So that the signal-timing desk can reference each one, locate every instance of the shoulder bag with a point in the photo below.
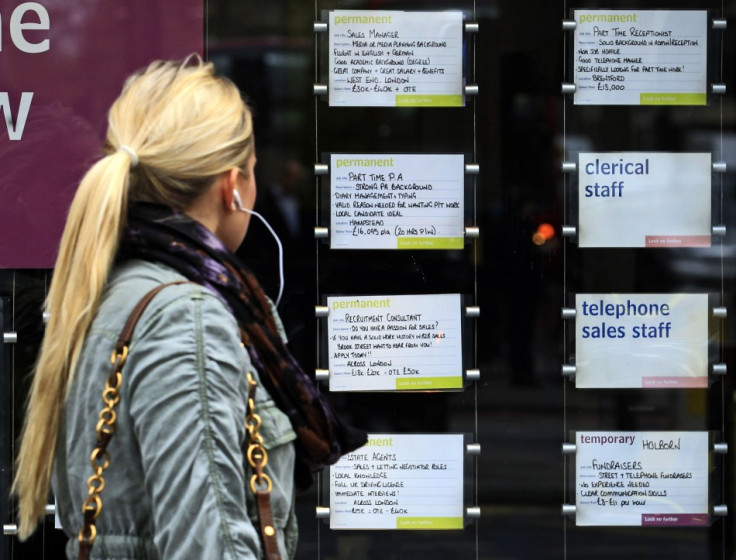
(260, 483)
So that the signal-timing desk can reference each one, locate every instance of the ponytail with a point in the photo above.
(88, 247)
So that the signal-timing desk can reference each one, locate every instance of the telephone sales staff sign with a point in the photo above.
(61, 66)
(649, 341)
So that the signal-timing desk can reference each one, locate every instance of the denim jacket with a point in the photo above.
(178, 484)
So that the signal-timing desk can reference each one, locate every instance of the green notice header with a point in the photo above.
(340, 19)
(608, 18)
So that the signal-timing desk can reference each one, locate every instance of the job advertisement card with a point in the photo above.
(395, 59)
(644, 199)
(395, 343)
(400, 481)
(397, 201)
(642, 478)
(640, 57)
(651, 341)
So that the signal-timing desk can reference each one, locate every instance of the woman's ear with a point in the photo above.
(228, 183)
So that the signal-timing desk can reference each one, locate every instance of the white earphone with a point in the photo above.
(237, 201)
(238, 205)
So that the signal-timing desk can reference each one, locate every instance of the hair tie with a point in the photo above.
(131, 153)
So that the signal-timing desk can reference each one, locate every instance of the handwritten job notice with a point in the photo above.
(642, 478)
(395, 343)
(400, 481)
(395, 59)
(640, 57)
(397, 201)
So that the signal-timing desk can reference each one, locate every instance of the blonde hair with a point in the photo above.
(186, 125)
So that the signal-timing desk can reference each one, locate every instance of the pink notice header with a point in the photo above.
(674, 519)
(61, 66)
(677, 241)
(676, 382)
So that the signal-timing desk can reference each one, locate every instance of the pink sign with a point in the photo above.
(677, 241)
(674, 519)
(61, 66)
(679, 382)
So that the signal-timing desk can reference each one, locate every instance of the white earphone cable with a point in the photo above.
(278, 242)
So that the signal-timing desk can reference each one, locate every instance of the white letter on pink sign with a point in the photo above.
(15, 132)
(17, 27)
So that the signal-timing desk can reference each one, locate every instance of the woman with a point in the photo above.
(163, 206)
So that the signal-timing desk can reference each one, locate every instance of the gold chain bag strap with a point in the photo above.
(260, 482)
(100, 457)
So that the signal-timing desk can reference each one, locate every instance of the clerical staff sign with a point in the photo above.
(644, 199)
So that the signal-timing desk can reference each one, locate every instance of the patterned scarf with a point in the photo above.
(157, 233)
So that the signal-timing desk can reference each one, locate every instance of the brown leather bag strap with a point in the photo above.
(100, 457)
(265, 520)
(257, 458)
(127, 333)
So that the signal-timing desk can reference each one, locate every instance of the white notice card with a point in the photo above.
(640, 57)
(395, 343)
(642, 478)
(400, 481)
(396, 59)
(650, 341)
(397, 201)
(644, 199)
